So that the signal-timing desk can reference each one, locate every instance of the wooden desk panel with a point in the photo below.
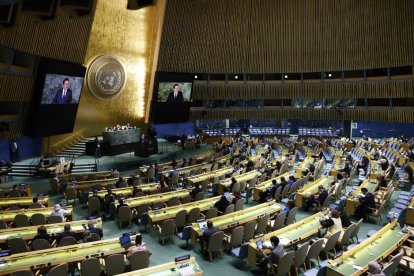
(223, 184)
(8, 216)
(25, 201)
(210, 175)
(151, 199)
(268, 183)
(312, 189)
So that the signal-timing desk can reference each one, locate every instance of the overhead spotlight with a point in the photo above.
(236, 77)
(195, 76)
(286, 76)
(329, 75)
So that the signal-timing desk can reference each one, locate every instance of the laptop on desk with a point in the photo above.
(203, 225)
(125, 241)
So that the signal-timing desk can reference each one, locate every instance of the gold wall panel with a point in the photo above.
(371, 114)
(268, 36)
(130, 36)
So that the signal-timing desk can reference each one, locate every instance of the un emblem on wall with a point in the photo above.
(106, 77)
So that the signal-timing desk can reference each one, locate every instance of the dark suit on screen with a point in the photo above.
(178, 99)
(60, 99)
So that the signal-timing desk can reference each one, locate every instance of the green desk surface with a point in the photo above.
(22, 201)
(186, 169)
(266, 184)
(9, 215)
(59, 255)
(128, 190)
(306, 163)
(163, 197)
(170, 212)
(28, 233)
(209, 175)
(242, 217)
(312, 188)
(370, 184)
(190, 265)
(378, 246)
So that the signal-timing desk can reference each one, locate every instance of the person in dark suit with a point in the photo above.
(42, 234)
(323, 194)
(222, 204)
(14, 151)
(93, 229)
(366, 202)
(66, 233)
(175, 96)
(64, 94)
(208, 233)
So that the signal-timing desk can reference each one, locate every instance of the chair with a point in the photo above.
(241, 252)
(185, 235)
(314, 251)
(22, 273)
(239, 205)
(193, 215)
(114, 264)
(167, 229)
(229, 209)
(279, 222)
(249, 229)
(150, 174)
(186, 199)
(94, 206)
(95, 237)
(331, 243)
(236, 238)
(376, 213)
(180, 218)
(262, 224)
(248, 194)
(14, 193)
(92, 176)
(215, 243)
(38, 219)
(54, 185)
(300, 257)
(68, 241)
(285, 263)
(124, 215)
(139, 260)
(55, 219)
(21, 220)
(344, 241)
(58, 270)
(199, 196)
(390, 267)
(174, 201)
(40, 244)
(71, 194)
(36, 205)
(291, 217)
(3, 224)
(236, 188)
(91, 267)
(285, 192)
(17, 245)
(211, 213)
(277, 193)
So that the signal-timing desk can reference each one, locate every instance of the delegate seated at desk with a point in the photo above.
(58, 211)
(222, 204)
(322, 195)
(275, 254)
(366, 202)
(208, 233)
(332, 224)
(138, 247)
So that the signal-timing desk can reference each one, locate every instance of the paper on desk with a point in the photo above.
(357, 267)
(55, 230)
(284, 241)
(267, 244)
(186, 271)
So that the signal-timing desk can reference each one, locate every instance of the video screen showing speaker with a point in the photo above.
(171, 97)
(56, 96)
(61, 89)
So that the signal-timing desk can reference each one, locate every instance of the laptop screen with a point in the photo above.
(259, 244)
(124, 240)
(228, 196)
(203, 225)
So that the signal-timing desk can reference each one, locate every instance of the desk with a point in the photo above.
(338, 164)
(8, 216)
(376, 247)
(28, 233)
(409, 217)
(167, 269)
(192, 180)
(268, 183)
(151, 199)
(35, 260)
(25, 188)
(288, 235)
(181, 171)
(223, 184)
(304, 165)
(23, 202)
(232, 220)
(127, 191)
(376, 170)
(120, 137)
(352, 201)
(69, 176)
(170, 212)
(204, 155)
(312, 189)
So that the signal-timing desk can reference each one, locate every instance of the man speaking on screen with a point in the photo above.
(175, 96)
(64, 94)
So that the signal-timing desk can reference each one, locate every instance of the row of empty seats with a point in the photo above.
(318, 132)
(254, 131)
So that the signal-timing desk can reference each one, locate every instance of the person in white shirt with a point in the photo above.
(58, 211)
